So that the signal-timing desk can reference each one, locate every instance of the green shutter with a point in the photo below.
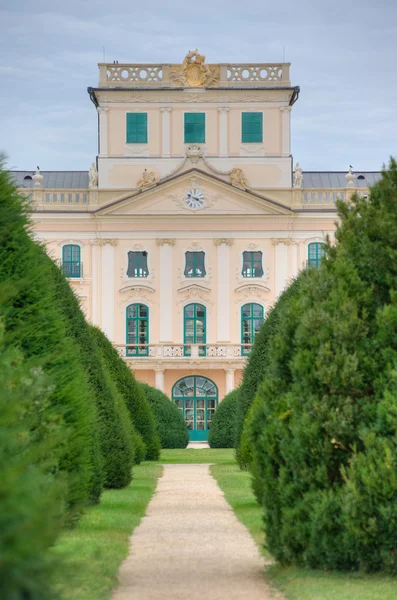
(252, 127)
(194, 128)
(136, 128)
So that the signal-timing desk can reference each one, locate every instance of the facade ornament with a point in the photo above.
(194, 72)
(148, 179)
(194, 153)
(104, 242)
(350, 177)
(298, 176)
(93, 176)
(226, 241)
(37, 178)
(165, 241)
(238, 179)
(286, 241)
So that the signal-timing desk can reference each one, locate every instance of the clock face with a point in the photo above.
(194, 198)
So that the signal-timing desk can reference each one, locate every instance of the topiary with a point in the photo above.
(325, 441)
(136, 401)
(221, 434)
(171, 426)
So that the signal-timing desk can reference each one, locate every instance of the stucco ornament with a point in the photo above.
(298, 176)
(93, 176)
(237, 178)
(148, 178)
(194, 71)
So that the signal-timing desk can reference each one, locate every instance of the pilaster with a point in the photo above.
(108, 286)
(94, 282)
(223, 130)
(166, 131)
(285, 130)
(103, 130)
(223, 288)
(166, 307)
(229, 380)
(159, 379)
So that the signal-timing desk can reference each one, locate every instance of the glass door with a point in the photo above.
(197, 398)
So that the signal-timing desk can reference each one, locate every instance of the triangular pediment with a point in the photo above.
(208, 196)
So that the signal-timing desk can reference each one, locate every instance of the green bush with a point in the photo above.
(134, 396)
(256, 368)
(34, 323)
(114, 444)
(324, 427)
(223, 424)
(32, 491)
(171, 426)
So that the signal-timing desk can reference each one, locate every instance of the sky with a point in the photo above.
(343, 56)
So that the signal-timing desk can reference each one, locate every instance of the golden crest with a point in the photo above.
(195, 74)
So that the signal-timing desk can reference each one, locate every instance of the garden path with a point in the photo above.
(191, 545)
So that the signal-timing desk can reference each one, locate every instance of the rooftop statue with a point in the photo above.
(194, 71)
(148, 178)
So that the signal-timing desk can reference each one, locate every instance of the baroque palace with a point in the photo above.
(190, 222)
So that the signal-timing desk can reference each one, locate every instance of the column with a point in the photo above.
(103, 130)
(281, 264)
(166, 307)
(159, 379)
(166, 131)
(285, 130)
(94, 282)
(229, 380)
(223, 130)
(223, 289)
(108, 286)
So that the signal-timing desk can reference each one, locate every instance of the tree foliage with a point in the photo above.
(171, 426)
(223, 424)
(325, 423)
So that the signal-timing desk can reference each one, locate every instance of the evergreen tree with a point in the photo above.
(223, 424)
(170, 424)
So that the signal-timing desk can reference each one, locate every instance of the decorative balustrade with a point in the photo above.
(115, 75)
(66, 197)
(184, 351)
(322, 196)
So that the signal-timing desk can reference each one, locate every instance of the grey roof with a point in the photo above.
(53, 179)
(336, 179)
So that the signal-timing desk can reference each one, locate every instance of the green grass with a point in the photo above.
(193, 455)
(296, 583)
(90, 555)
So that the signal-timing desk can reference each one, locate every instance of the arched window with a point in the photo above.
(197, 398)
(194, 327)
(137, 329)
(71, 264)
(251, 321)
(315, 253)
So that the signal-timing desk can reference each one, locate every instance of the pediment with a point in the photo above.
(216, 197)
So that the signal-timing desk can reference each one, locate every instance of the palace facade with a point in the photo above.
(191, 220)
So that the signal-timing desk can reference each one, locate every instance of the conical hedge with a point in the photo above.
(170, 424)
(136, 401)
(222, 430)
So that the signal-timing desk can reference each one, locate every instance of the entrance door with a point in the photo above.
(197, 398)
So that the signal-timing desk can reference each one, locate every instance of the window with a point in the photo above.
(316, 251)
(137, 329)
(194, 128)
(194, 327)
(71, 264)
(251, 321)
(194, 264)
(252, 264)
(136, 128)
(251, 127)
(137, 264)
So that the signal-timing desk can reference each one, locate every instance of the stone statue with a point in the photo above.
(298, 176)
(237, 177)
(194, 71)
(93, 176)
(148, 178)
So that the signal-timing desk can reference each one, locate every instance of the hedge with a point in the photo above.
(134, 396)
(222, 430)
(325, 443)
(171, 426)
(113, 420)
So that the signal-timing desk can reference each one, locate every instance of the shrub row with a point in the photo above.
(170, 424)
(222, 430)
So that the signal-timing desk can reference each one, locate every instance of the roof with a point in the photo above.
(337, 179)
(53, 179)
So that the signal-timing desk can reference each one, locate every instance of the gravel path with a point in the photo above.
(190, 545)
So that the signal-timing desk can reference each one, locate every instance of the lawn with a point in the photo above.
(90, 555)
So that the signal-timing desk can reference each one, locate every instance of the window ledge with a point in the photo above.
(132, 149)
(252, 148)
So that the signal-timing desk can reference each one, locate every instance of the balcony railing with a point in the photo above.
(184, 351)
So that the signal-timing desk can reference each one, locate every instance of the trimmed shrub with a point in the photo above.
(223, 424)
(113, 421)
(256, 368)
(134, 396)
(325, 424)
(32, 491)
(171, 426)
(34, 323)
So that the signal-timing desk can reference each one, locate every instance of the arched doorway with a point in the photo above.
(197, 398)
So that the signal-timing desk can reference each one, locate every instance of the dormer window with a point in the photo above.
(252, 264)
(194, 264)
(137, 264)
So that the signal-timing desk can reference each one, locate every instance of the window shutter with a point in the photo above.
(252, 127)
(194, 128)
(136, 128)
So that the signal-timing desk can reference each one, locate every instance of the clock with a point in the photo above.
(194, 198)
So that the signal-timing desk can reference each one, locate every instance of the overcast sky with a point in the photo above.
(343, 56)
